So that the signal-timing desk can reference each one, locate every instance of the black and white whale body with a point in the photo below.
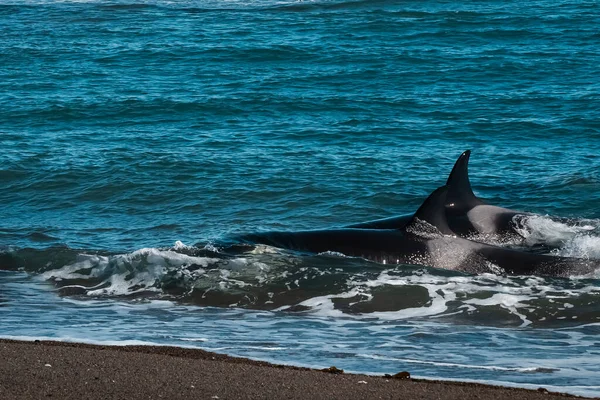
(466, 214)
(426, 240)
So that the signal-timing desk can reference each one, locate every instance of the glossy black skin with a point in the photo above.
(457, 221)
(460, 202)
(386, 223)
(372, 244)
(392, 246)
(426, 240)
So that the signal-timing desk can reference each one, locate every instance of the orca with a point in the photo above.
(467, 215)
(426, 240)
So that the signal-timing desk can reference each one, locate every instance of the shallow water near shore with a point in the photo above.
(560, 359)
(138, 137)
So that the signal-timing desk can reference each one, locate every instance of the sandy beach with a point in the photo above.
(43, 369)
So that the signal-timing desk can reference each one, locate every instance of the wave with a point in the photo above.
(526, 370)
(267, 278)
(573, 237)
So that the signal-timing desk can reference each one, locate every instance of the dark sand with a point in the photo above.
(42, 370)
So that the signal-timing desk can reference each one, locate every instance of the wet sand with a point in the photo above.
(57, 370)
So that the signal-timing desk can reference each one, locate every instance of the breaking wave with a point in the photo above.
(266, 278)
(569, 235)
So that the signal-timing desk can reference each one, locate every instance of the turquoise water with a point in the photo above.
(137, 137)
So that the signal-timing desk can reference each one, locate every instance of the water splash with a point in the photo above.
(323, 285)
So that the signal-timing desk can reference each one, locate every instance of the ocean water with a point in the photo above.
(137, 137)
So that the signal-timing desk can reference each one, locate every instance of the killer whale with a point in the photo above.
(466, 213)
(426, 240)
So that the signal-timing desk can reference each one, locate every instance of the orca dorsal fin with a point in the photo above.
(460, 194)
(432, 211)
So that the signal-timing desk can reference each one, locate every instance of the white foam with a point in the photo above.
(131, 273)
(510, 302)
(323, 305)
(334, 254)
(466, 366)
(265, 249)
(581, 246)
(179, 245)
(464, 292)
(538, 229)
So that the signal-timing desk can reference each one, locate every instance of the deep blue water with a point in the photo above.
(137, 135)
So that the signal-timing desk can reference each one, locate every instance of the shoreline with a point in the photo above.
(67, 370)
